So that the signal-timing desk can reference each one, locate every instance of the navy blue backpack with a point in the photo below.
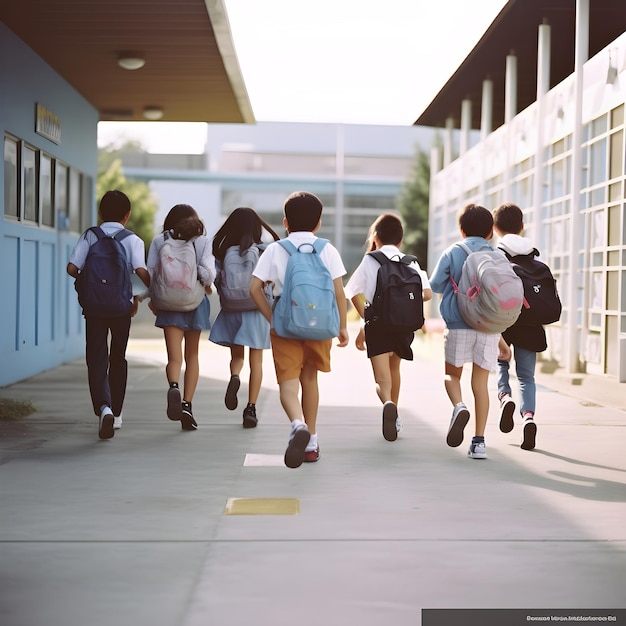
(104, 284)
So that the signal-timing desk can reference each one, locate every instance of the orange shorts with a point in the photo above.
(290, 355)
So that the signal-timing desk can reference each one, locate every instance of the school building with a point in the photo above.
(65, 66)
(357, 171)
(545, 87)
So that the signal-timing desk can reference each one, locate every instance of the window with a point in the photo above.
(11, 177)
(31, 210)
(45, 190)
(85, 202)
(60, 191)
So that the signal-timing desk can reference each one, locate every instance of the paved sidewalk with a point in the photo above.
(135, 530)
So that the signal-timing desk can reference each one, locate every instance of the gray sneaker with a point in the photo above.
(460, 417)
(477, 451)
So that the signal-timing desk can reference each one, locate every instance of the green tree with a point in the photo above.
(144, 204)
(412, 205)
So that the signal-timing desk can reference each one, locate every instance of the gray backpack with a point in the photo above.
(233, 279)
(489, 294)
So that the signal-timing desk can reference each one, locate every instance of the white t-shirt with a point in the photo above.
(134, 246)
(363, 280)
(273, 262)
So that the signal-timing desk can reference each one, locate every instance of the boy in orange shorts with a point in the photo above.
(297, 361)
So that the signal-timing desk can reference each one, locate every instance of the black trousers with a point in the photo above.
(107, 368)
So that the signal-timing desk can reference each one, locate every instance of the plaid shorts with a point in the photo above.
(465, 345)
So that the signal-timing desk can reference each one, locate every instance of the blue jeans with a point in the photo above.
(525, 361)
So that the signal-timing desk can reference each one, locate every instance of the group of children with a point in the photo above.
(297, 360)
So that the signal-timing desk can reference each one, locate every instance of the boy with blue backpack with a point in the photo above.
(102, 263)
(462, 343)
(309, 311)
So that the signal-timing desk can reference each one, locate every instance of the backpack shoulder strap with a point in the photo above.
(407, 259)
(318, 244)
(287, 245)
(121, 234)
(97, 231)
(464, 247)
(379, 256)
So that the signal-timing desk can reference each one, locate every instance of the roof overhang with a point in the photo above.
(191, 70)
(516, 29)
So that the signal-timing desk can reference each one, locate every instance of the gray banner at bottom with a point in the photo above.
(521, 617)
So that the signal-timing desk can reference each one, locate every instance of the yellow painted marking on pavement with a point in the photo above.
(262, 506)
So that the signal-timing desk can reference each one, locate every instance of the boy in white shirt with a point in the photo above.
(297, 361)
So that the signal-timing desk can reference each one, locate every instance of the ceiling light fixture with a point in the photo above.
(153, 113)
(130, 61)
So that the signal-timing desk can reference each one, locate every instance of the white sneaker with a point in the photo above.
(298, 441)
(105, 428)
(477, 451)
(460, 417)
(390, 420)
(507, 408)
(398, 424)
(529, 430)
(117, 422)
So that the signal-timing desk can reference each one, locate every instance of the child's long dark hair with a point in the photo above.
(183, 222)
(242, 228)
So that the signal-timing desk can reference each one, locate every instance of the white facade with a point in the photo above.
(562, 160)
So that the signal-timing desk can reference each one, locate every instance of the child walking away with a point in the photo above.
(388, 289)
(463, 344)
(237, 246)
(527, 336)
(297, 359)
(102, 263)
(182, 269)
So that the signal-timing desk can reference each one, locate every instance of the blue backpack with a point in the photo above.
(104, 284)
(307, 307)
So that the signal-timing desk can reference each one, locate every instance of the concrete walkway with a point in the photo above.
(160, 527)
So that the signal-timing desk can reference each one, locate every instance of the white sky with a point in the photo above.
(335, 61)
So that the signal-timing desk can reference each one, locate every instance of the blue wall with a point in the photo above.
(40, 321)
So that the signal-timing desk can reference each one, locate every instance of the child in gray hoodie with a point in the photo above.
(526, 340)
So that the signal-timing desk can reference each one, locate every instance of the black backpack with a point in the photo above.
(542, 304)
(397, 305)
(104, 284)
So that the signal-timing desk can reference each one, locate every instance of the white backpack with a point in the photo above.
(175, 285)
(489, 294)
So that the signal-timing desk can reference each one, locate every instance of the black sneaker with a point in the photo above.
(187, 422)
(174, 403)
(230, 399)
(249, 416)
